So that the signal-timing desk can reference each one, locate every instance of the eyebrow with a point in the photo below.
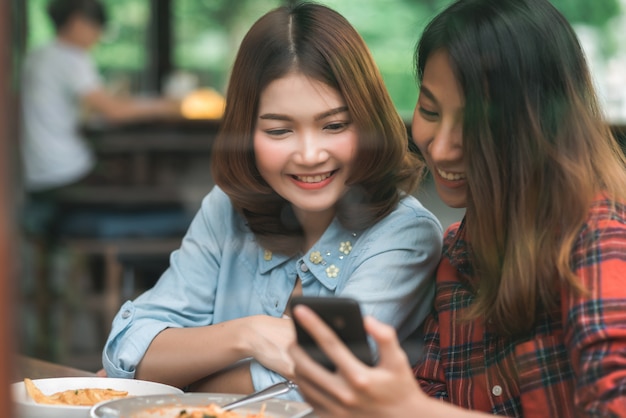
(424, 90)
(320, 116)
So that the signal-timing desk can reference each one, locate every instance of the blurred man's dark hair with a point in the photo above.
(60, 11)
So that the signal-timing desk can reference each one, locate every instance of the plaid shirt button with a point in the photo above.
(496, 390)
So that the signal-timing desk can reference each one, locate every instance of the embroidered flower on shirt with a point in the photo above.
(345, 247)
(332, 271)
(267, 255)
(316, 257)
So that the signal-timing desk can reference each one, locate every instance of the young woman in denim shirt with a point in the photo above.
(313, 197)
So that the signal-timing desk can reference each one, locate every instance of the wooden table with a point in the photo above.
(40, 369)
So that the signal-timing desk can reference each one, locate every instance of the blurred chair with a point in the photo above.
(116, 239)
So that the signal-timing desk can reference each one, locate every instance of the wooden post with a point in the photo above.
(8, 240)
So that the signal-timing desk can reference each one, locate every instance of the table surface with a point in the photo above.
(40, 369)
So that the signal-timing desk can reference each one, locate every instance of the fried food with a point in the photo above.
(76, 397)
(214, 411)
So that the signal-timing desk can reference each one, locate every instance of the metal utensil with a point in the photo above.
(263, 394)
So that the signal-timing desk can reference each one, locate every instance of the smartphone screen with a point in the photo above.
(343, 315)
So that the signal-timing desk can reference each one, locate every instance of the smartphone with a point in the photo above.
(343, 315)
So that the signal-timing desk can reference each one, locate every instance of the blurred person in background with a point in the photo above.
(59, 80)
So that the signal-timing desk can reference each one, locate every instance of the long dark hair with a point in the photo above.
(318, 42)
(536, 145)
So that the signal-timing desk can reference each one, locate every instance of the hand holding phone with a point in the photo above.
(343, 316)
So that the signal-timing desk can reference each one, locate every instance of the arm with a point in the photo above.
(429, 372)
(85, 84)
(594, 323)
(386, 390)
(126, 109)
(185, 323)
(210, 349)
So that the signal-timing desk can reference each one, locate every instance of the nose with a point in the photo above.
(447, 142)
(311, 149)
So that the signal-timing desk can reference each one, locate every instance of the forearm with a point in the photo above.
(127, 110)
(181, 356)
(234, 379)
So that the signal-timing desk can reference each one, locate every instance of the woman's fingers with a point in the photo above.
(325, 338)
(391, 354)
(355, 389)
(324, 390)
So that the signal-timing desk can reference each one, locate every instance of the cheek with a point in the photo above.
(348, 147)
(267, 154)
(420, 134)
(260, 153)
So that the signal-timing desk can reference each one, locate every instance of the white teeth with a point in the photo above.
(451, 176)
(313, 179)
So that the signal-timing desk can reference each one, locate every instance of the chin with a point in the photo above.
(456, 202)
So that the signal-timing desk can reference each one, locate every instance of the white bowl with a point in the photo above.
(169, 406)
(25, 407)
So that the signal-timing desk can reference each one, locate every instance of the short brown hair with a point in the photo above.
(320, 43)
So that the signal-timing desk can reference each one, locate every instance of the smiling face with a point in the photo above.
(438, 129)
(305, 143)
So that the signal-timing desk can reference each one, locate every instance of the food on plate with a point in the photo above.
(214, 411)
(77, 397)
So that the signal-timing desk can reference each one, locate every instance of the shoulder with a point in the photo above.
(217, 219)
(409, 225)
(409, 209)
(605, 216)
(451, 232)
(217, 203)
(36, 56)
(602, 237)
(607, 210)
(55, 58)
(56, 50)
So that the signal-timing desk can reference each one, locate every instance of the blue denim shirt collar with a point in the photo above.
(323, 262)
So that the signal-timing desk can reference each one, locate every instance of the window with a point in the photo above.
(205, 35)
(121, 54)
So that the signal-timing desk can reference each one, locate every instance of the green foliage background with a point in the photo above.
(207, 33)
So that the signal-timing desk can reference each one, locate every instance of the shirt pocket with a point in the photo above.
(546, 377)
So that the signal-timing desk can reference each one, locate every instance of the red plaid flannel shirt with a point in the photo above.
(573, 363)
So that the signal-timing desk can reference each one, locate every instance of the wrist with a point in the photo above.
(241, 333)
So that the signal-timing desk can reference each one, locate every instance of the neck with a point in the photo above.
(314, 226)
(68, 39)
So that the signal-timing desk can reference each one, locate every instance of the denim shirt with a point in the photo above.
(221, 273)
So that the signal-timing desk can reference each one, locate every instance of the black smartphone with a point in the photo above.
(341, 314)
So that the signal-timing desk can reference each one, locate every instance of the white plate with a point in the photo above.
(27, 408)
(169, 406)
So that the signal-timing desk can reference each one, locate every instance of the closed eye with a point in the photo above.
(428, 115)
(277, 132)
(337, 126)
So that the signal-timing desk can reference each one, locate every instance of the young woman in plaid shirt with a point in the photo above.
(529, 317)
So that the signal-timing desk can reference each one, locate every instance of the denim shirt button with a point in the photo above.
(126, 314)
(304, 267)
